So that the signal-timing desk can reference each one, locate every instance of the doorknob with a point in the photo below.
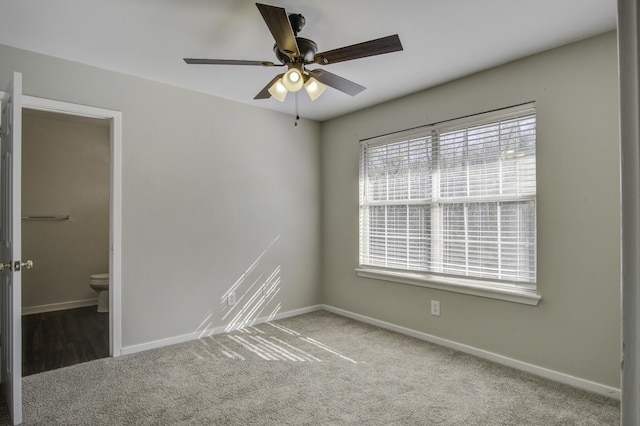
(16, 266)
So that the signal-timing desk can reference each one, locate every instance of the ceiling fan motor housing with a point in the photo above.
(306, 47)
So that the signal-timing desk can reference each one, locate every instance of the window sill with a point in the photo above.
(457, 285)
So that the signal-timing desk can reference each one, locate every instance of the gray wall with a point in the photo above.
(208, 186)
(576, 327)
(217, 194)
(65, 171)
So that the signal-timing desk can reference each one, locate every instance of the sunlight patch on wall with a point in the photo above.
(255, 293)
(246, 273)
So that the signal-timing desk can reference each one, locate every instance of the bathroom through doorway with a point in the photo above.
(77, 305)
(65, 231)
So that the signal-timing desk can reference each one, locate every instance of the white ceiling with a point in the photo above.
(443, 40)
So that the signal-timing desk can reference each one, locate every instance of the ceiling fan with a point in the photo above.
(297, 52)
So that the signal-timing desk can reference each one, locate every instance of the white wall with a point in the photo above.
(576, 327)
(208, 186)
(65, 171)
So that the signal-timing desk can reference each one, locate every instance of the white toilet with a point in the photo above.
(100, 283)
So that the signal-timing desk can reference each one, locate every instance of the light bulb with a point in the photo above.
(292, 80)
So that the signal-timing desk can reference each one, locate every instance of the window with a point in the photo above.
(453, 204)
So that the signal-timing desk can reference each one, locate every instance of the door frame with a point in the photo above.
(629, 83)
(115, 202)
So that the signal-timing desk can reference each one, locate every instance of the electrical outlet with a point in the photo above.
(231, 299)
(435, 308)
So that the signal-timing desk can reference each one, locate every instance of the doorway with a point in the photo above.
(65, 231)
(113, 122)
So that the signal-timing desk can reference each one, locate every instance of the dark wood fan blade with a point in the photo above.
(278, 22)
(192, 61)
(337, 82)
(361, 50)
(264, 93)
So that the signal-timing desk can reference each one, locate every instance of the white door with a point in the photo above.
(10, 242)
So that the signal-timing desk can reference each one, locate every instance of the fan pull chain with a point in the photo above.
(297, 115)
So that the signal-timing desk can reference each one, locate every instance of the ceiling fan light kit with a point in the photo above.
(298, 52)
(283, 85)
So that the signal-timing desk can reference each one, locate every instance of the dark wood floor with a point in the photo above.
(58, 339)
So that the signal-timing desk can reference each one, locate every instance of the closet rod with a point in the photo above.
(46, 217)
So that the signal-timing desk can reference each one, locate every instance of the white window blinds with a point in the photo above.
(456, 198)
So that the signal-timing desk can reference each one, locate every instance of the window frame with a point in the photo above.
(514, 291)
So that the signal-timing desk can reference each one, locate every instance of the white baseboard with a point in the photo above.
(126, 350)
(59, 306)
(557, 376)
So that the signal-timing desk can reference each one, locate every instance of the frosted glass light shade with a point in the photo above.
(293, 80)
(278, 91)
(314, 88)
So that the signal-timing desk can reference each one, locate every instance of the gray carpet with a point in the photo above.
(313, 369)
